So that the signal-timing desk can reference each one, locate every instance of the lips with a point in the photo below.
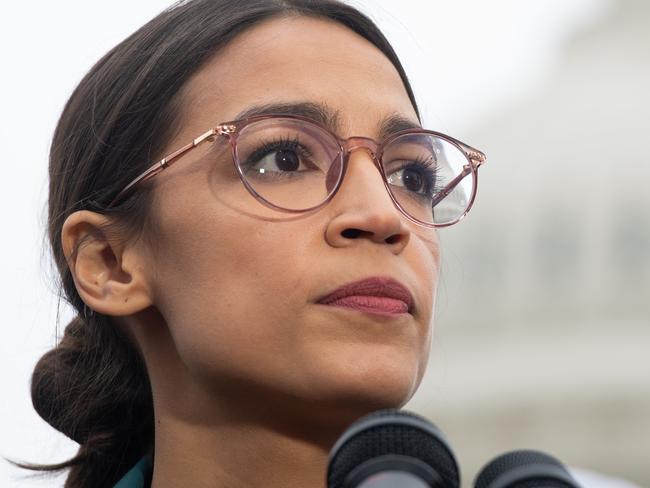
(374, 295)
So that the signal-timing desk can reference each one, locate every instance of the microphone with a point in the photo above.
(392, 448)
(525, 469)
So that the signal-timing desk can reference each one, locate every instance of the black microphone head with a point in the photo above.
(525, 469)
(391, 436)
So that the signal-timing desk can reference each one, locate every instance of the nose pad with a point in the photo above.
(334, 174)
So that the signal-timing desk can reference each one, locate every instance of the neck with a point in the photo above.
(232, 434)
(235, 454)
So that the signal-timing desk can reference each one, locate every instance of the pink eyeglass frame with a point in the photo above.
(230, 130)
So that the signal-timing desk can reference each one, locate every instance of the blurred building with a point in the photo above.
(543, 316)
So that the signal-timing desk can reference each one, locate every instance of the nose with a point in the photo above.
(362, 208)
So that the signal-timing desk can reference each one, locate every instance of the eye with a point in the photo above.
(280, 158)
(418, 177)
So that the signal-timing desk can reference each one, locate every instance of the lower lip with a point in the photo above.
(371, 304)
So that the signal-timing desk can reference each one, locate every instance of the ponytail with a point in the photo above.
(94, 388)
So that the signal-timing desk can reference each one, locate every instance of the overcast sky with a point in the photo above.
(466, 59)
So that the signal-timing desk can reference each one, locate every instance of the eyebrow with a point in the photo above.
(331, 119)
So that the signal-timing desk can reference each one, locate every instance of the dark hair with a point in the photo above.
(93, 386)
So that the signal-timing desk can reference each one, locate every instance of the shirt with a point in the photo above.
(139, 476)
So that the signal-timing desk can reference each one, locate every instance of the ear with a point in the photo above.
(108, 273)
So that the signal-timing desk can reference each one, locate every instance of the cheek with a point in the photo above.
(427, 248)
(230, 288)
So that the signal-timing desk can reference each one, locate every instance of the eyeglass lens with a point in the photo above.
(296, 166)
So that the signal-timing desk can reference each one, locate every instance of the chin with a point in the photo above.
(367, 382)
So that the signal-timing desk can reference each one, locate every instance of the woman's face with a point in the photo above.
(238, 283)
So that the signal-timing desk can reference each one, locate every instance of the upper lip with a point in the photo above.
(377, 286)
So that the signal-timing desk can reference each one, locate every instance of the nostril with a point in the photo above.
(355, 233)
(394, 239)
(351, 233)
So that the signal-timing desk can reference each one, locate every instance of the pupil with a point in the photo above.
(286, 160)
(412, 180)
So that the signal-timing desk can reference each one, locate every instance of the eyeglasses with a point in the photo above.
(293, 164)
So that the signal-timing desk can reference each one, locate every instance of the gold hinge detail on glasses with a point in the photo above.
(476, 158)
(226, 129)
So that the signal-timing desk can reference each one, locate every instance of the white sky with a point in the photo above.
(465, 58)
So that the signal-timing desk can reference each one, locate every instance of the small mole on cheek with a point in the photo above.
(126, 300)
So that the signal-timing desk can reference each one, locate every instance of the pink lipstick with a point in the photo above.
(380, 295)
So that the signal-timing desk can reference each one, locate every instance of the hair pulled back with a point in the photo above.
(93, 386)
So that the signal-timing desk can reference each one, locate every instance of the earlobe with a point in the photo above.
(107, 272)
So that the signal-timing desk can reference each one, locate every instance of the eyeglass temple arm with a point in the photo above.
(476, 158)
(167, 161)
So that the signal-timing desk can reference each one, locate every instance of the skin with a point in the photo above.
(252, 380)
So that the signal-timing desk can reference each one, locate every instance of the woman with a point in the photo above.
(272, 278)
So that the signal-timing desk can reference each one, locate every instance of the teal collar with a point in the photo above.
(139, 476)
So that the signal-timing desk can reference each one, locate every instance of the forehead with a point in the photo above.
(298, 59)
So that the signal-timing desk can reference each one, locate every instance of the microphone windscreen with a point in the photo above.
(525, 469)
(396, 433)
